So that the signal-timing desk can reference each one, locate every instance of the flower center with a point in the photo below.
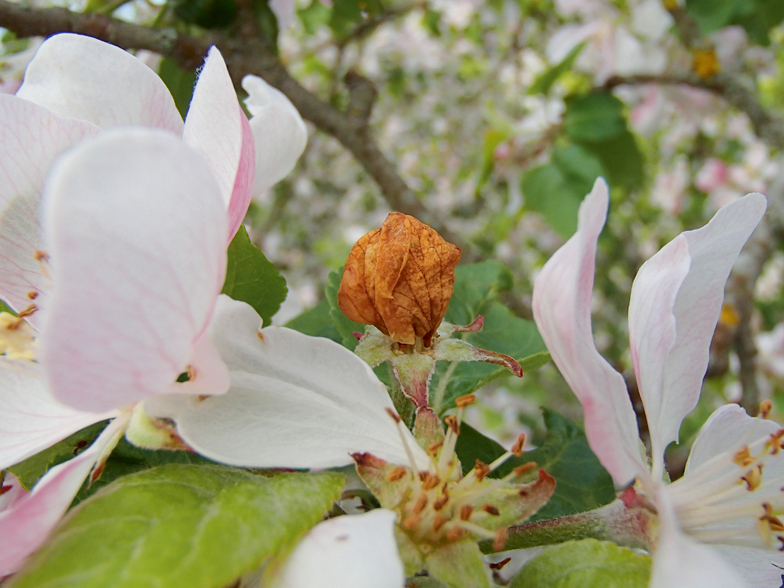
(736, 498)
(440, 505)
(17, 338)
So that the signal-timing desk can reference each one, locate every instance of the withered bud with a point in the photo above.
(399, 278)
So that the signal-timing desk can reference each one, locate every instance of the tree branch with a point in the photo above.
(243, 57)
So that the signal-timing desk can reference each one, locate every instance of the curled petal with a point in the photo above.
(80, 77)
(30, 418)
(26, 522)
(217, 127)
(562, 310)
(30, 138)
(675, 304)
(295, 401)
(137, 238)
(279, 133)
(353, 551)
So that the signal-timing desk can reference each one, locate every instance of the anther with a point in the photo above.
(439, 522)
(430, 481)
(743, 457)
(517, 448)
(420, 504)
(433, 449)
(491, 510)
(523, 469)
(465, 512)
(774, 443)
(765, 408)
(481, 470)
(32, 295)
(455, 533)
(27, 311)
(753, 479)
(441, 502)
(411, 522)
(396, 474)
(500, 564)
(500, 538)
(466, 400)
(393, 414)
(451, 421)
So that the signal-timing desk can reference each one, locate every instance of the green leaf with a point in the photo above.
(582, 483)
(314, 16)
(31, 469)
(502, 332)
(622, 159)
(545, 81)
(594, 117)
(555, 190)
(476, 284)
(210, 14)
(179, 82)
(252, 278)
(316, 322)
(180, 525)
(344, 325)
(347, 14)
(585, 564)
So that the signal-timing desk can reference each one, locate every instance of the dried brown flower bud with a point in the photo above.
(399, 278)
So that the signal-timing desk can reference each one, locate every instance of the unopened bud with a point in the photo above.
(399, 278)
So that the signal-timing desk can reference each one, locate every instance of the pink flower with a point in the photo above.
(725, 499)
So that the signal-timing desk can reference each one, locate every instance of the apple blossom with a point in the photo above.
(114, 235)
(723, 499)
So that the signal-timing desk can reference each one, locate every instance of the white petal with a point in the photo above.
(759, 568)
(30, 138)
(683, 562)
(727, 430)
(136, 231)
(353, 551)
(675, 304)
(295, 401)
(30, 418)
(80, 77)
(279, 132)
(562, 310)
(26, 523)
(217, 127)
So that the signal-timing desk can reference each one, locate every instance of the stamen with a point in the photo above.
(439, 522)
(765, 408)
(456, 533)
(743, 457)
(501, 564)
(409, 455)
(465, 512)
(491, 510)
(481, 470)
(452, 423)
(441, 502)
(525, 468)
(27, 311)
(32, 295)
(430, 481)
(463, 401)
(396, 474)
(753, 479)
(517, 448)
(411, 522)
(433, 449)
(420, 504)
(393, 414)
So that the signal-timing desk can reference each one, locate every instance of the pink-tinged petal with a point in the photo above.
(11, 490)
(217, 127)
(675, 304)
(279, 133)
(30, 138)
(295, 401)
(80, 77)
(136, 232)
(354, 551)
(207, 373)
(683, 562)
(562, 310)
(26, 523)
(30, 418)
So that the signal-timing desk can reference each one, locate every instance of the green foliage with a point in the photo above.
(582, 483)
(314, 16)
(316, 322)
(31, 469)
(347, 14)
(252, 278)
(585, 564)
(758, 17)
(556, 189)
(210, 14)
(180, 525)
(179, 82)
(344, 325)
(545, 81)
(476, 290)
